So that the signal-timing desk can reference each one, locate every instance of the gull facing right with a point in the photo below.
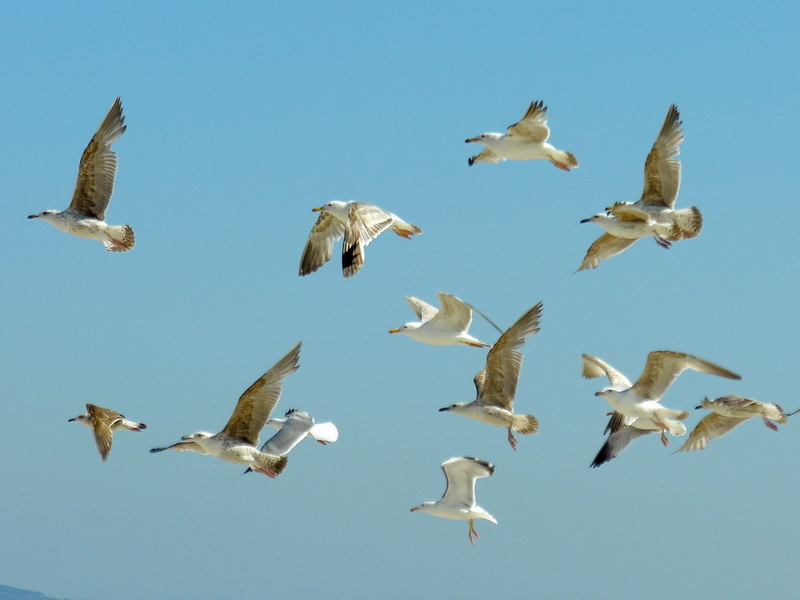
(446, 326)
(497, 382)
(458, 501)
(86, 214)
(641, 400)
(654, 213)
(237, 441)
(728, 413)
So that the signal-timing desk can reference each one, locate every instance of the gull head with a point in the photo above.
(484, 138)
(200, 435)
(456, 408)
(335, 207)
(84, 418)
(47, 215)
(598, 218)
(606, 392)
(707, 404)
(405, 329)
(424, 507)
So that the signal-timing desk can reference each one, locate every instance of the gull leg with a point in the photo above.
(769, 424)
(511, 439)
(664, 438)
(472, 531)
(560, 165)
(662, 242)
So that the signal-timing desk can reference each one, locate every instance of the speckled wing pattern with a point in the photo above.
(319, 247)
(533, 125)
(102, 419)
(709, 428)
(366, 222)
(594, 367)
(486, 156)
(603, 248)
(98, 166)
(663, 367)
(497, 382)
(662, 173)
(257, 403)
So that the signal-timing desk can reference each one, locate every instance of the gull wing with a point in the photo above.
(461, 474)
(662, 172)
(325, 433)
(604, 247)
(594, 367)
(366, 222)
(663, 367)
(102, 418)
(98, 166)
(454, 314)
(485, 156)
(621, 437)
(296, 427)
(625, 211)
(425, 312)
(710, 427)
(497, 383)
(319, 247)
(182, 446)
(256, 404)
(533, 125)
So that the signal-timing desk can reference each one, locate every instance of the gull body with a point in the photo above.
(728, 412)
(324, 433)
(104, 422)
(359, 223)
(525, 140)
(641, 400)
(447, 326)
(654, 214)
(496, 383)
(236, 443)
(85, 216)
(458, 501)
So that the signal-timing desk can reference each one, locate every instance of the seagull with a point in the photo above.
(728, 413)
(85, 216)
(292, 430)
(640, 401)
(458, 501)
(324, 433)
(359, 223)
(237, 442)
(497, 381)
(446, 326)
(104, 422)
(526, 140)
(654, 214)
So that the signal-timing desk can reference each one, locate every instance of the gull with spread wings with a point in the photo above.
(104, 422)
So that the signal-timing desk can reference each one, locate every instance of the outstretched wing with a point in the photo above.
(532, 126)
(319, 247)
(662, 172)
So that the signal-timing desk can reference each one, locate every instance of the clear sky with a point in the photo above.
(241, 118)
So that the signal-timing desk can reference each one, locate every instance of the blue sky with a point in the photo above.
(241, 118)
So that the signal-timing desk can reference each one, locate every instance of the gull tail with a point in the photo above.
(674, 427)
(525, 424)
(405, 230)
(121, 238)
(563, 160)
(686, 223)
(270, 465)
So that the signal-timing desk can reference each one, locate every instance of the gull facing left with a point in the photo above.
(526, 140)
(86, 214)
(104, 422)
(458, 501)
(359, 223)
(497, 382)
(237, 442)
(447, 326)
(641, 400)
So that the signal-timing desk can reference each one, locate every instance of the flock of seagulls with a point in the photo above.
(636, 407)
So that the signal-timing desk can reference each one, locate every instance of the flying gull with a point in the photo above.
(104, 422)
(497, 381)
(526, 140)
(728, 413)
(654, 214)
(85, 216)
(294, 429)
(237, 442)
(446, 326)
(359, 223)
(458, 501)
(639, 403)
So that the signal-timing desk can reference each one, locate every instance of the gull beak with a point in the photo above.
(70, 420)
(585, 220)
(33, 216)
(416, 508)
(598, 393)
(318, 209)
(468, 140)
(696, 408)
(394, 331)
(445, 409)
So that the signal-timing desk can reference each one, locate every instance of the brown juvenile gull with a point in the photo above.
(497, 381)
(359, 223)
(654, 213)
(237, 442)
(526, 140)
(641, 401)
(446, 326)
(104, 422)
(728, 413)
(458, 501)
(86, 214)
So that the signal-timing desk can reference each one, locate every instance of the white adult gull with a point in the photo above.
(104, 422)
(447, 326)
(86, 214)
(654, 214)
(640, 402)
(526, 140)
(324, 433)
(728, 412)
(237, 442)
(359, 223)
(497, 382)
(458, 501)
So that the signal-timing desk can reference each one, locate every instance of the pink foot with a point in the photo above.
(511, 439)
(770, 424)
